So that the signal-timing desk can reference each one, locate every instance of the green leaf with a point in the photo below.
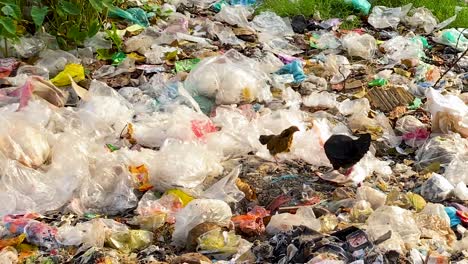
(93, 28)
(8, 2)
(108, 3)
(98, 5)
(38, 14)
(73, 32)
(12, 10)
(8, 25)
(104, 54)
(70, 8)
(114, 36)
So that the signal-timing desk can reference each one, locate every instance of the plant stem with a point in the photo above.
(6, 47)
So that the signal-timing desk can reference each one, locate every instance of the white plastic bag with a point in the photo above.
(285, 222)
(400, 48)
(363, 46)
(272, 24)
(449, 113)
(436, 188)
(230, 78)
(235, 15)
(384, 17)
(199, 211)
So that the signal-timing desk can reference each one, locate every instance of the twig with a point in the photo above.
(451, 66)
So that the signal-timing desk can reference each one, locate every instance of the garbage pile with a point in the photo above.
(216, 134)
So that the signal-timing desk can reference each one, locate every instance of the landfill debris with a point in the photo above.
(205, 131)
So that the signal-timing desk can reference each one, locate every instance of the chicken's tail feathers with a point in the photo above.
(264, 139)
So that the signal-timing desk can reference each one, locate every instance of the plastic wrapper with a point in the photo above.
(286, 222)
(363, 46)
(436, 188)
(200, 211)
(441, 149)
(233, 78)
(400, 48)
(384, 17)
(234, 15)
(404, 229)
(130, 240)
(272, 24)
(154, 212)
(375, 197)
(448, 112)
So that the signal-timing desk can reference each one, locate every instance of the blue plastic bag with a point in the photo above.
(135, 15)
(294, 68)
(362, 5)
(452, 213)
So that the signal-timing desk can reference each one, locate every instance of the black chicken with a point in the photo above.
(344, 152)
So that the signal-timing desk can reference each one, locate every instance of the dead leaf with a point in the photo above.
(246, 189)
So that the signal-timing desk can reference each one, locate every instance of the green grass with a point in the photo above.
(442, 9)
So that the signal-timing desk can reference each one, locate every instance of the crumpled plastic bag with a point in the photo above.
(271, 24)
(404, 229)
(76, 71)
(457, 171)
(232, 78)
(436, 188)
(235, 15)
(363, 46)
(448, 112)
(400, 48)
(375, 197)
(441, 149)
(338, 66)
(384, 17)
(226, 189)
(199, 211)
(414, 132)
(184, 165)
(452, 38)
(54, 61)
(286, 222)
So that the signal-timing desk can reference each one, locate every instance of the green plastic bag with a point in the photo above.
(186, 65)
(135, 15)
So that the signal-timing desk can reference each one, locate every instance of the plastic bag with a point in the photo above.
(184, 165)
(294, 68)
(457, 170)
(449, 113)
(279, 45)
(436, 188)
(233, 78)
(414, 132)
(404, 229)
(400, 48)
(338, 66)
(29, 46)
(321, 99)
(271, 24)
(441, 149)
(421, 18)
(226, 189)
(234, 15)
(437, 210)
(54, 61)
(375, 197)
(286, 222)
(384, 17)
(200, 211)
(452, 38)
(180, 122)
(363, 46)
(362, 5)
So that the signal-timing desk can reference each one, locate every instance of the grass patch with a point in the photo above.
(442, 9)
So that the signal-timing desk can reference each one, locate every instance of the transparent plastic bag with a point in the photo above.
(180, 122)
(397, 220)
(29, 46)
(457, 170)
(338, 67)
(363, 46)
(285, 222)
(436, 210)
(384, 17)
(226, 188)
(441, 149)
(279, 45)
(436, 188)
(234, 15)
(200, 211)
(449, 113)
(400, 48)
(272, 24)
(452, 38)
(375, 197)
(321, 99)
(230, 78)
(54, 61)
(421, 18)
(184, 165)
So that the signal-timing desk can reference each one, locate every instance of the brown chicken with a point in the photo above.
(279, 143)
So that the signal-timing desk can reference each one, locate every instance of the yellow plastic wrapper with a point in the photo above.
(183, 196)
(76, 71)
(140, 176)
